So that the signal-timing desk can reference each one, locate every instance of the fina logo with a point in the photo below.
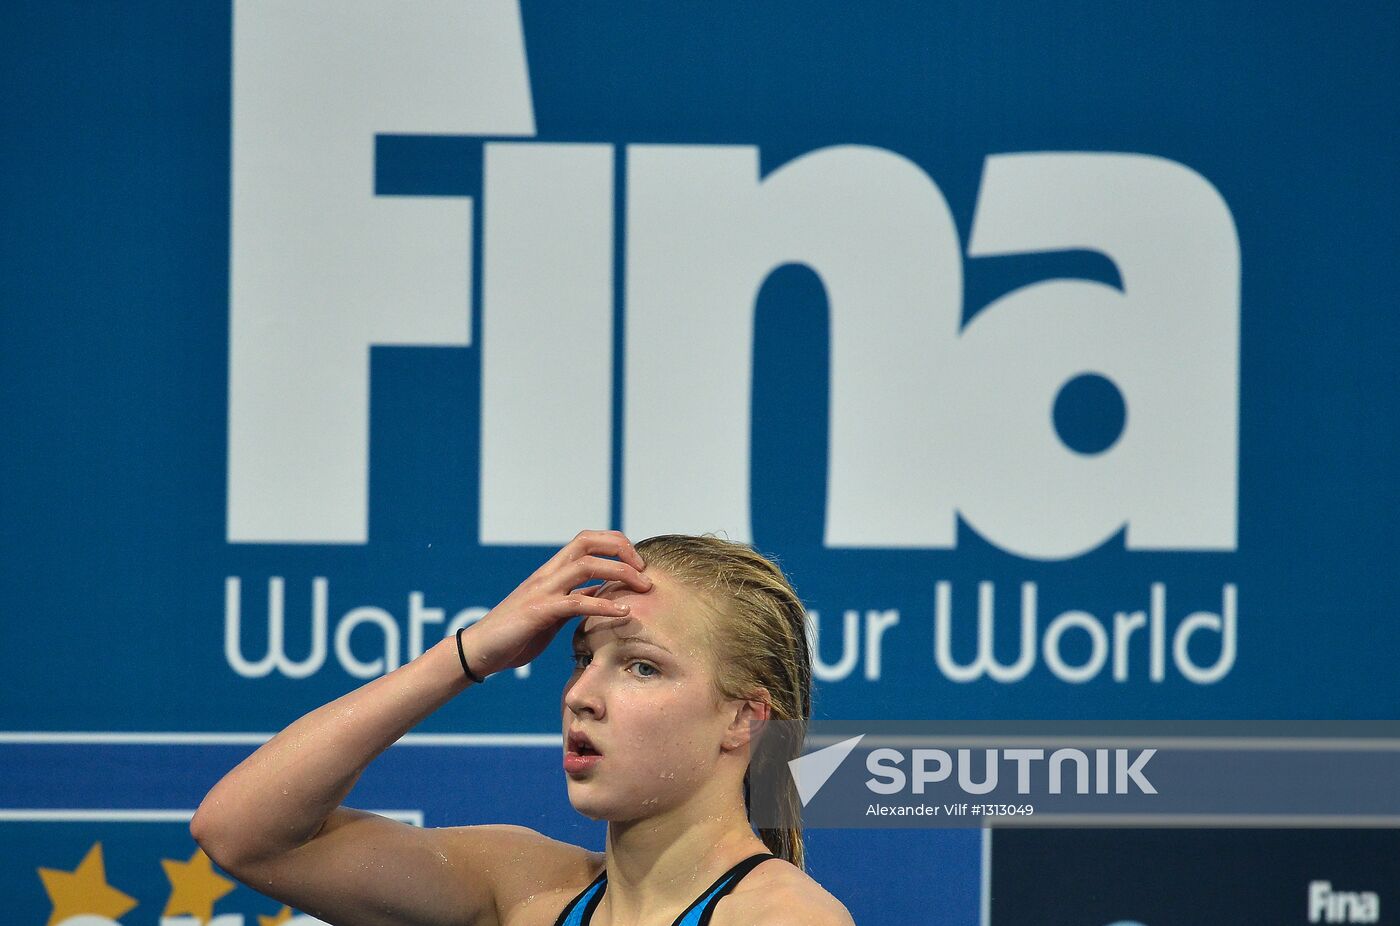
(1328, 906)
(929, 418)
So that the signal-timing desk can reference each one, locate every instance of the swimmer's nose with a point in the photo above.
(583, 695)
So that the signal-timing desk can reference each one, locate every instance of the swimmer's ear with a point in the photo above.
(751, 715)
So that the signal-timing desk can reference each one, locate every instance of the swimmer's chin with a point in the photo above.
(614, 814)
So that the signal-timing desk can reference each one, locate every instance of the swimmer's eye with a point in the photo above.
(582, 659)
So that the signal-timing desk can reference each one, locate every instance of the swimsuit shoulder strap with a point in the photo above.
(699, 912)
(580, 909)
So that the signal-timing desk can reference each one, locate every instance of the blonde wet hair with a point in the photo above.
(758, 636)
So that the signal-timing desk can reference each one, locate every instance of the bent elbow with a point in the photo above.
(204, 831)
(201, 828)
(212, 833)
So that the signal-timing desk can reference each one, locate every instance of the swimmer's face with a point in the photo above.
(643, 690)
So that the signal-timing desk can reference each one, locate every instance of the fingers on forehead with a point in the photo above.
(595, 622)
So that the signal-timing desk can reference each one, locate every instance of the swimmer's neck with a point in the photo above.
(664, 862)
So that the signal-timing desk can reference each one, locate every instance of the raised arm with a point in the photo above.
(275, 821)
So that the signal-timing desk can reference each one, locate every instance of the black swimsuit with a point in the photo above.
(580, 909)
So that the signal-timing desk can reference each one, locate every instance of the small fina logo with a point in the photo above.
(1328, 906)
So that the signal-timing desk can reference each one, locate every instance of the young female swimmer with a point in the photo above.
(682, 654)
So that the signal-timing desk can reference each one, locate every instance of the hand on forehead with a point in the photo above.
(658, 616)
(611, 587)
(634, 623)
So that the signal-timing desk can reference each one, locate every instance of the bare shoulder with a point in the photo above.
(778, 893)
(531, 875)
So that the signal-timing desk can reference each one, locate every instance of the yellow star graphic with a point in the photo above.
(194, 887)
(281, 917)
(84, 890)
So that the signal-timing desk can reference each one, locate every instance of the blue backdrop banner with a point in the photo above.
(1050, 350)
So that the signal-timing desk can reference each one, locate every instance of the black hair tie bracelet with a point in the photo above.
(463, 656)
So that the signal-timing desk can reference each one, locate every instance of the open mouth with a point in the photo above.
(580, 745)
